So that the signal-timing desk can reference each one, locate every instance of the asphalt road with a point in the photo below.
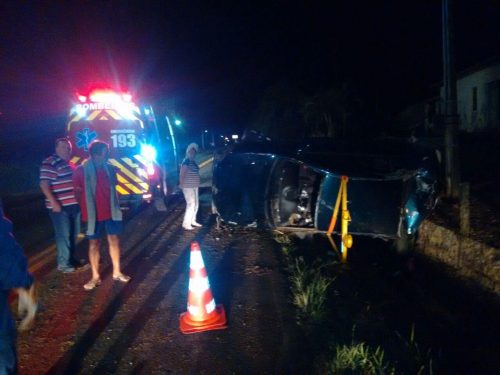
(134, 328)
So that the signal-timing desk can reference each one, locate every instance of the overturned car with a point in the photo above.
(392, 186)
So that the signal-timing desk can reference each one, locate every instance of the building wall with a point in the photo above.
(478, 105)
(478, 99)
(467, 257)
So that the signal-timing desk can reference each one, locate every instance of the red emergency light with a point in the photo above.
(127, 97)
(105, 96)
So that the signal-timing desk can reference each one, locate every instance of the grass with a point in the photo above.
(358, 359)
(325, 345)
(421, 362)
(309, 289)
(308, 283)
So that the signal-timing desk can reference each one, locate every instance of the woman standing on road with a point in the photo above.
(189, 182)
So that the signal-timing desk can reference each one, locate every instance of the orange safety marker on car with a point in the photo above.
(346, 238)
(202, 313)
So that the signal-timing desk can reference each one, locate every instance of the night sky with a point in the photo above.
(211, 61)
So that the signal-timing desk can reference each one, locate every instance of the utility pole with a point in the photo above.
(450, 103)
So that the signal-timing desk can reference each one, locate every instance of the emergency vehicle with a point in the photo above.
(144, 154)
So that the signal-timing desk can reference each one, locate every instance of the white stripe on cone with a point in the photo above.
(196, 261)
(193, 310)
(199, 285)
(210, 306)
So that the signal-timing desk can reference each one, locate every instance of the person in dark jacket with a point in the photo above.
(13, 274)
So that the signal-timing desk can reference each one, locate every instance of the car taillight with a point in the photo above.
(151, 169)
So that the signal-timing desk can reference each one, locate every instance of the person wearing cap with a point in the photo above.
(56, 184)
(189, 182)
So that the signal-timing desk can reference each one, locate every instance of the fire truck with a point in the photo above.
(144, 153)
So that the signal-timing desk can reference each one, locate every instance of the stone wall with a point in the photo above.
(470, 259)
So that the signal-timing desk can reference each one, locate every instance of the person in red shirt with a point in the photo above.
(95, 190)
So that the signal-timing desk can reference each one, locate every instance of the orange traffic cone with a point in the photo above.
(202, 313)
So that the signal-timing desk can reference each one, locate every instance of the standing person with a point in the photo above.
(56, 174)
(189, 182)
(95, 188)
(13, 274)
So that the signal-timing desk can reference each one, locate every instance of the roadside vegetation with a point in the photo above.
(309, 289)
(341, 336)
(21, 177)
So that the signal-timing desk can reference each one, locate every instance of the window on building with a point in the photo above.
(474, 99)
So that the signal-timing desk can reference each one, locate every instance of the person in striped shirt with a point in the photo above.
(56, 182)
(189, 182)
